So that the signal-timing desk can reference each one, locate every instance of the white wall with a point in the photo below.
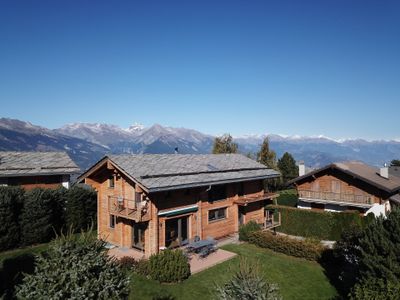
(379, 209)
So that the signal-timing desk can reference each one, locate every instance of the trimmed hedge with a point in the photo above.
(169, 266)
(36, 216)
(317, 224)
(299, 248)
(11, 200)
(246, 229)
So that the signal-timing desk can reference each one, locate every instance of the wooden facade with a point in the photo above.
(129, 217)
(31, 182)
(334, 190)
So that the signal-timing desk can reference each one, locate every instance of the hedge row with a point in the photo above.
(318, 224)
(36, 216)
(299, 248)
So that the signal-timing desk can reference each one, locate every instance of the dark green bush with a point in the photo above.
(11, 273)
(81, 208)
(376, 288)
(307, 249)
(246, 229)
(11, 200)
(42, 215)
(169, 266)
(317, 224)
(143, 267)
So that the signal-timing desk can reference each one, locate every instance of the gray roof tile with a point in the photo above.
(171, 171)
(35, 163)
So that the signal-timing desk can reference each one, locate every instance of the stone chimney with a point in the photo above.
(302, 168)
(384, 171)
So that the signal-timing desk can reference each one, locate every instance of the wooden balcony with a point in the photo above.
(336, 198)
(247, 199)
(128, 208)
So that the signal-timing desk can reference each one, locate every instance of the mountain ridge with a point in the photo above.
(87, 142)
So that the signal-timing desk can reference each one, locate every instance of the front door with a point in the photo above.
(176, 231)
(138, 235)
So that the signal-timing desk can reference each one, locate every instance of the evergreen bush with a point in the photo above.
(81, 208)
(75, 267)
(11, 200)
(307, 249)
(42, 215)
(248, 284)
(246, 229)
(169, 266)
(376, 288)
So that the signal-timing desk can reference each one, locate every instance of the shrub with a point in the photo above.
(246, 229)
(128, 263)
(42, 215)
(300, 248)
(169, 266)
(317, 224)
(247, 284)
(12, 271)
(81, 208)
(11, 200)
(375, 288)
(75, 267)
(143, 267)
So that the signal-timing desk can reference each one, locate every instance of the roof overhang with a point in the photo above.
(97, 166)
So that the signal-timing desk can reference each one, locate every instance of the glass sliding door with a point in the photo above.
(176, 231)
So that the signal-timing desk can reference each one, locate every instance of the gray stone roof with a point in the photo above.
(160, 172)
(363, 172)
(13, 164)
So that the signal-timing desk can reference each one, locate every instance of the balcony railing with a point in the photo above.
(336, 197)
(128, 208)
(246, 199)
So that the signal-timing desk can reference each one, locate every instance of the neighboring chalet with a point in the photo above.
(36, 169)
(153, 201)
(348, 186)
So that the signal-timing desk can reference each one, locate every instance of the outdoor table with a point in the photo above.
(197, 246)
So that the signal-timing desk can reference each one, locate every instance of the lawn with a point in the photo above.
(287, 198)
(297, 278)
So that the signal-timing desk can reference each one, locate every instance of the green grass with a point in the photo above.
(297, 278)
(287, 198)
(21, 251)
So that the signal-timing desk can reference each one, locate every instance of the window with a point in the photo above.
(217, 192)
(113, 221)
(138, 197)
(335, 186)
(217, 214)
(111, 181)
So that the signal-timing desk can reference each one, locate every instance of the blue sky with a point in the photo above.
(291, 67)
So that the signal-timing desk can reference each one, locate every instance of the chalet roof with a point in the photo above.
(395, 198)
(161, 172)
(361, 171)
(15, 164)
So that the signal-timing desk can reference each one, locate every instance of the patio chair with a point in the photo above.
(204, 252)
(196, 238)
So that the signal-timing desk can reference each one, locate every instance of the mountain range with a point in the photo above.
(88, 142)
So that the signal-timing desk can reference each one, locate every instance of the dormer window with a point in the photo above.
(111, 182)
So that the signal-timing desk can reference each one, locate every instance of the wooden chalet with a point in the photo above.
(153, 201)
(36, 169)
(348, 186)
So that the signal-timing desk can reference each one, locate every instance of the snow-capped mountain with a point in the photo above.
(87, 142)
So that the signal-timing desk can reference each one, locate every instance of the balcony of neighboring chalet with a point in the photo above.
(342, 199)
